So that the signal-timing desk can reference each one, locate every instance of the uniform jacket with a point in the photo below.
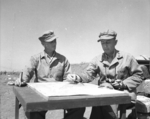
(42, 69)
(123, 66)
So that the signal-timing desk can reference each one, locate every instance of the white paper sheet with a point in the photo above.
(67, 89)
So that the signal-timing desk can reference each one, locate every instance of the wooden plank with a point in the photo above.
(122, 112)
(16, 108)
(144, 62)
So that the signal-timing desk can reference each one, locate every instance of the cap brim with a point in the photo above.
(49, 40)
(105, 38)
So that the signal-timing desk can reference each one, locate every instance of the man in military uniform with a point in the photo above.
(48, 66)
(115, 69)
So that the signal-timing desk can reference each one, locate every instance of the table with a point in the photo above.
(32, 101)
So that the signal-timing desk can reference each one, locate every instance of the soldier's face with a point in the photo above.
(108, 45)
(50, 46)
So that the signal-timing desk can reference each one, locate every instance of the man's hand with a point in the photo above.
(73, 78)
(118, 84)
(19, 83)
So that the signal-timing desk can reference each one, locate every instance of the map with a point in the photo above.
(68, 89)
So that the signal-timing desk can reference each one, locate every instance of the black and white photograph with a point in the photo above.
(74, 59)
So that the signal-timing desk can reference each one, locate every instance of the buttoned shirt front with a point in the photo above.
(42, 68)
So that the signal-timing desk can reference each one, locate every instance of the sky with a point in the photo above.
(77, 23)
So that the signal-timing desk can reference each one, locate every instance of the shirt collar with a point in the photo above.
(105, 56)
(45, 55)
(42, 55)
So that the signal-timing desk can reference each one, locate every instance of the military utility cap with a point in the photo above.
(109, 34)
(48, 36)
